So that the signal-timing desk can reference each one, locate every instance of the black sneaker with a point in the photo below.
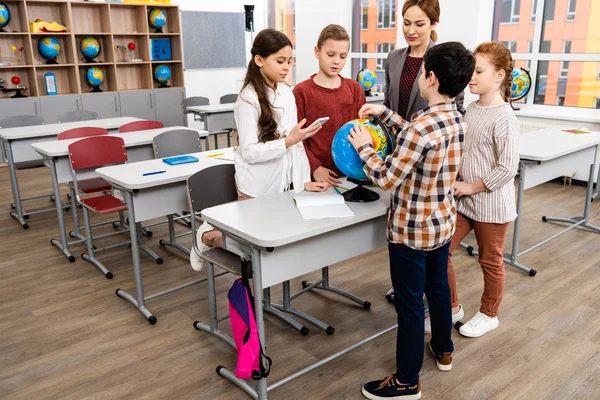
(390, 388)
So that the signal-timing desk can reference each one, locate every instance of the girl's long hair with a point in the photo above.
(500, 57)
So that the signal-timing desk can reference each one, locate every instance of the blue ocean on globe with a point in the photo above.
(4, 16)
(367, 79)
(162, 73)
(157, 18)
(89, 47)
(345, 156)
(49, 47)
(94, 76)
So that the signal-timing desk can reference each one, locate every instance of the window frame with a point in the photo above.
(364, 12)
(597, 103)
(571, 14)
(380, 49)
(381, 17)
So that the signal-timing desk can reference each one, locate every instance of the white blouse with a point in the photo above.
(264, 168)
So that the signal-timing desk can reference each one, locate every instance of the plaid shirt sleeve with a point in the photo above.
(393, 121)
(389, 173)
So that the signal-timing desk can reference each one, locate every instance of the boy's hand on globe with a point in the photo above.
(370, 110)
(297, 134)
(326, 175)
(316, 186)
(359, 136)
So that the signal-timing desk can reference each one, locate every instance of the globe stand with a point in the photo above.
(96, 89)
(164, 85)
(158, 30)
(90, 60)
(17, 91)
(360, 194)
(51, 61)
(368, 92)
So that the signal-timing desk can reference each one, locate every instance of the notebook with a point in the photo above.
(318, 206)
(180, 160)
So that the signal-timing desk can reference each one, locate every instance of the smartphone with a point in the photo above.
(320, 121)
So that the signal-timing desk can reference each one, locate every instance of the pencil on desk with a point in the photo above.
(337, 190)
(215, 155)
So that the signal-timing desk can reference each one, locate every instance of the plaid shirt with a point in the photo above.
(421, 172)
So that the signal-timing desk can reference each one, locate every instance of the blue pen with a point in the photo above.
(337, 190)
(153, 173)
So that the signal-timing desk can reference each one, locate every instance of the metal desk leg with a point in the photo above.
(14, 186)
(323, 284)
(63, 245)
(260, 392)
(205, 119)
(172, 238)
(579, 221)
(597, 193)
(138, 302)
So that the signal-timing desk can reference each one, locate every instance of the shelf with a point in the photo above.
(65, 56)
(49, 11)
(132, 63)
(66, 82)
(109, 84)
(128, 18)
(92, 34)
(90, 17)
(176, 76)
(132, 76)
(172, 25)
(97, 64)
(18, 18)
(7, 40)
(141, 47)
(166, 61)
(54, 65)
(51, 33)
(5, 34)
(130, 34)
(14, 66)
(27, 80)
(106, 48)
(162, 34)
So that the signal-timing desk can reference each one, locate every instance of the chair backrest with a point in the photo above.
(228, 98)
(17, 121)
(93, 152)
(85, 131)
(140, 126)
(74, 116)
(194, 101)
(176, 142)
(211, 187)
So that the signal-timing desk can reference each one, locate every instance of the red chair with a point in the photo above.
(86, 131)
(140, 126)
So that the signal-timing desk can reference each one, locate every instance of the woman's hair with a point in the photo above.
(267, 42)
(431, 8)
(333, 32)
(499, 56)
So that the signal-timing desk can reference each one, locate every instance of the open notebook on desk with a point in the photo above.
(317, 206)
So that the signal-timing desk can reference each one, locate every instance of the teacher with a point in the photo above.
(403, 67)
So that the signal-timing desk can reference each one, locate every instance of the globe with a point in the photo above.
(157, 18)
(90, 47)
(521, 83)
(345, 156)
(49, 48)
(367, 80)
(4, 16)
(94, 77)
(162, 74)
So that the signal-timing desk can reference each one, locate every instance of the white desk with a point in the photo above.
(218, 118)
(283, 246)
(151, 197)
(543, 155)
(376, 98)
(17, 144)
(56, 156)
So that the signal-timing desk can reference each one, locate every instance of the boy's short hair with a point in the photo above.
(334, 32)
(453, 65)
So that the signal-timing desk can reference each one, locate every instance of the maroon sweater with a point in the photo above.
(340, 105)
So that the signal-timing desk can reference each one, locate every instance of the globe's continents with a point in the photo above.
(162, 73)
(90, 47)
(521, 83)
(345, 156)
(49, 47)
(157, 18)
(4, 15)
(94, 76)
(367, 79)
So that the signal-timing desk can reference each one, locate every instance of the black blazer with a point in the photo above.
(393, 73)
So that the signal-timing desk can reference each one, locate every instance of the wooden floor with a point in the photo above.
(64, 334)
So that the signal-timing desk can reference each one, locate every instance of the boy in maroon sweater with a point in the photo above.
(327, 94)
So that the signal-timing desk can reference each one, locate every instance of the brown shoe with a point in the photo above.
(443, 361)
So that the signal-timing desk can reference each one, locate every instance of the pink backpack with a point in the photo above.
(245, 333)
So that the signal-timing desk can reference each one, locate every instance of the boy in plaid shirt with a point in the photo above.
(420, 173)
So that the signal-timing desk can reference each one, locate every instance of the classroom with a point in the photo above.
(299, 199)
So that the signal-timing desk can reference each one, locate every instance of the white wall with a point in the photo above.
(214, 83)
(311, 17)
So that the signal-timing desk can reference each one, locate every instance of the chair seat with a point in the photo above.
(105, 204)
(93, 185)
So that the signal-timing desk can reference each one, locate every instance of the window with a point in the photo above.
(383, 48)
(386, 14)
(364, 14)
(560, 100)
(512, 46)
(571, 10)
(533, 11)
(510, 11)
(530, 46)
(282, 17)
(564, 66)
(597, 103)
(363, 61)
(546, 46)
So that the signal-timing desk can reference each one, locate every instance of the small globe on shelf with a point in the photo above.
(94, 77)
(90, 47)
(350, 164)
(162, 74)
(157, 18)
(4, 16)
(367, 80)
(49, 48)
(521, 84)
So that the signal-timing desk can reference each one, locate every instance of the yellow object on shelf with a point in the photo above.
(148, 1)
(38, 26)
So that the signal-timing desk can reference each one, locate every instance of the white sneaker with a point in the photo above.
(196, 261)
(479, 325)
(455, 318)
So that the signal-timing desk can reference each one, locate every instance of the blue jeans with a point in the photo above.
(414, 272)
